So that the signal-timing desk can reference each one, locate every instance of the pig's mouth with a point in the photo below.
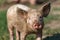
(37, 26)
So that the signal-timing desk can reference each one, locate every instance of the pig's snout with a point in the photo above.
(37, 25)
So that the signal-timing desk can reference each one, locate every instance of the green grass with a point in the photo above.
(47, 20)
(50, 31)
(51, 17)
(4, 35)
(3, 26)
(56, 9)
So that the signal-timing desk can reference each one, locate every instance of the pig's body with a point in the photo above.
(16, 21)
(24, 20)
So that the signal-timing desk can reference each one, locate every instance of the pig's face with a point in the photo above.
(35, 19)
(35, 16)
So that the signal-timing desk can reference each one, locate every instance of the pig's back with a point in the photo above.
(12, 11)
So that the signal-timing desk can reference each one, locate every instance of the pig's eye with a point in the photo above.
(40, 18)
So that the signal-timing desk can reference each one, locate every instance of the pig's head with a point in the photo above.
(34, 17)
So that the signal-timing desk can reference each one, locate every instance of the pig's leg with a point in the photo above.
(22, 36)
(11, 28)
(17, 35)
(39, 35)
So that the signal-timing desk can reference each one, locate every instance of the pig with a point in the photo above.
(26, 20)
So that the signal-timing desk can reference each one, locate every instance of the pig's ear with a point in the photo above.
(21, 11)
(46, 9)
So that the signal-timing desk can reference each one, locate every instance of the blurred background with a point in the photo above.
(51, 29)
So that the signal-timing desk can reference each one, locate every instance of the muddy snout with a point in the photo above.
(37, 25)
